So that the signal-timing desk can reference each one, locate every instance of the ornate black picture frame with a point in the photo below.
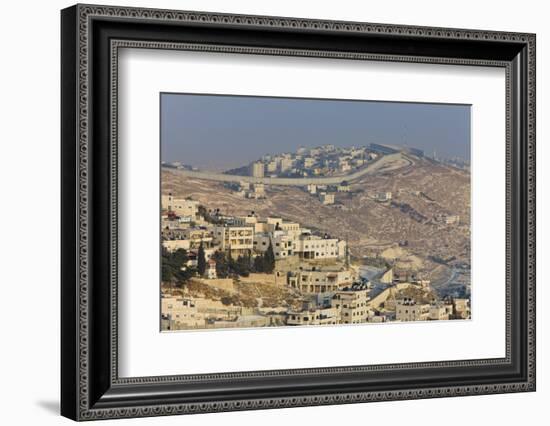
(91, 388)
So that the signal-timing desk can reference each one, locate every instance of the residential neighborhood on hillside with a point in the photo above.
(249, 268)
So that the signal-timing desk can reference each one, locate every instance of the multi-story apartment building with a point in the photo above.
(238, 239)
(312, 247)
(408, 310)
(281, 242)
(271, 166)
(352, 301)
(286, 164)
(462, 308)
(198, 235)
(440, 312)
(320, 281)
(257, 169)
(270, 225)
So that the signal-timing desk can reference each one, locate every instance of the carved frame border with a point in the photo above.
(87, 12)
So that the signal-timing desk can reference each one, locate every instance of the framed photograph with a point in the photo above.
(263, 212)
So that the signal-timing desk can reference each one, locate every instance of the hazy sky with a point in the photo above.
(216, 132)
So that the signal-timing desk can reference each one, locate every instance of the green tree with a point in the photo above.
(269, 259)
(201, 260)
(259, 263)
(242, 265)
(222, 266)
(174, 268)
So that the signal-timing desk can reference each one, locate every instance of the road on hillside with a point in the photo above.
(384, 162)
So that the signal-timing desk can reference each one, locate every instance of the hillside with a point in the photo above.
(407, 230)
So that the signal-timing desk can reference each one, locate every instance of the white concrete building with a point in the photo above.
(408, 310)
(271, 166)
(326, 198)
(180, 206)
(319, 316)
(312, 247)
(384, 196)
(259, 189)
(197, 236)
(352, 302)
(257, 169)
(235, 238)
(462, 308)
(173, 245)
(180, 313)
(286, 164)
(451, 219)
(290, 227)
(440, 312)
(321, 281)
(281, 242)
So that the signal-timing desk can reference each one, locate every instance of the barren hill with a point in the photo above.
(423, 194)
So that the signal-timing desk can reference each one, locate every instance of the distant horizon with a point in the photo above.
(223, 132)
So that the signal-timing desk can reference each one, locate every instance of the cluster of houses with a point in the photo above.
(326, 160)
(315, 266)
(183, 227)
(346, 305)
